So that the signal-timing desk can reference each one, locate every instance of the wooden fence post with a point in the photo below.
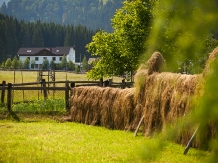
(9, 99)
(101, 82)
(110, 82)
(123, 84)
(67, 96)
(44, 89)
(3, 92)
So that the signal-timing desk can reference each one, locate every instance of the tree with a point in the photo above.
(71, 65)
(45, 64)
(52, 65)
(180, 30)
(85, 65)
(26, 63)
(77, 70)
(8, 63)
(32, 63)
(121, 50)
(3, 65)
(64, 62)
(20, 64)
(15, 63)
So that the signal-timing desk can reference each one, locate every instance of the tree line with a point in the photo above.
(15, 34)
(93, 14)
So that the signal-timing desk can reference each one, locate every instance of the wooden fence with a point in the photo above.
(7, 89)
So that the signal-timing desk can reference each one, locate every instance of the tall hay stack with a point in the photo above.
(161, 97)
(164, 96)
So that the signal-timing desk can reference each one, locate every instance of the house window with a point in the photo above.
(28, 58)
(57, 51)
(54, 58)
(29, 51)
(60, 58)
(36, 58)
(44, 58)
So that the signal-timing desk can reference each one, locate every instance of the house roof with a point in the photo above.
(59, 51)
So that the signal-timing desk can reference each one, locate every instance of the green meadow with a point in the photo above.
(40, 132)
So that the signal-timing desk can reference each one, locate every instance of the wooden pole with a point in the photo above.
(44, 89)
(9, 99)
(67, 96)
(3, 92)
(101, 82)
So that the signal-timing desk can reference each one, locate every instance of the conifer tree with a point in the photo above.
(8, 63)
(15, 63)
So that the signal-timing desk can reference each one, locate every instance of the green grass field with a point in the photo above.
(31, 76)
(43, 135)
(45, 139)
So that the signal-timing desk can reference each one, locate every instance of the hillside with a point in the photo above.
(93, 14)
(2, 1)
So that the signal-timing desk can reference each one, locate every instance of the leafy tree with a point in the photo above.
(3, 65)
(121, 50)
(85, 65)
(32, 63)
(77, 70)
(52, 65)
(15, 63)
(180, 30)
(20, 64)
(64, 62)
(45, 64)
(71, 65)
(26, 63)
(8, 63)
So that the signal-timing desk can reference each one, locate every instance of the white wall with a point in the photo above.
(71, 56)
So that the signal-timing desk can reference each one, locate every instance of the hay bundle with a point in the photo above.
(108, 107)
(164, 96)
(161, 97)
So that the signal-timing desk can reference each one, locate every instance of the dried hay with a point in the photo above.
(108, 107)
(161, 97)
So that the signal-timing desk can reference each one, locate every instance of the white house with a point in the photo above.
(37, 55)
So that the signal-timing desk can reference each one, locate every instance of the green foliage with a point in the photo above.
(41, 106)
(180, 30)
(8, 63)
(3, 65)
(15, 63)
(32, 63)
(20, 64)
(77, 70)
(93, 14)
(64, 62)
(85, 65)
(52, 65)
(121, 50)
(45, 64)
(26, 63)
(71, 66)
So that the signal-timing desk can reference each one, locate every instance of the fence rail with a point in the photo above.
(42, 90)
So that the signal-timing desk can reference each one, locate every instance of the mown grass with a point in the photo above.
(41, 134)
(31, 76)
(39, 139)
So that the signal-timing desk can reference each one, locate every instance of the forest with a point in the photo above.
(93, 14)
(15, 34)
